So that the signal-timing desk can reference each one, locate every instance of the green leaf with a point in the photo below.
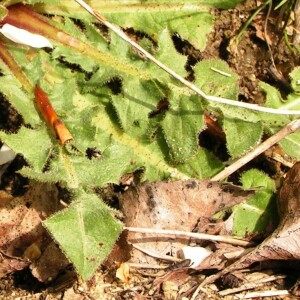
(21, 101)
(85, 231)
(260, 211)
(181, 126)
(241, 136)
(77, 170)
(295, 79)
(148, 155)
(33, 145)
(214, 77)
(291, 143)
(191, 21)
(203, 165)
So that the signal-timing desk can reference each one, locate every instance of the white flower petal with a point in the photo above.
(6, 155)
(195, 254)
(24, 37)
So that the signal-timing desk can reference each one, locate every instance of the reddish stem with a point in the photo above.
(51, 117)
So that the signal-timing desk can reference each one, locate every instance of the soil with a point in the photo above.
(251, 60)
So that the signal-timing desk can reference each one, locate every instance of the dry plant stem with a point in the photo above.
(146, 266)
(296, 37)
(288, 129)
(197, 236)
(259, 294)
(126, 38)
(250, 285)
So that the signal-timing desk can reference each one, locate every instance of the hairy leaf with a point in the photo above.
(259, 212)
(85, 231)
(291, 143)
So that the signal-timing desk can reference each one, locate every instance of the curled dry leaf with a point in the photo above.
(284, 243)
(10, 264)
(178, 205)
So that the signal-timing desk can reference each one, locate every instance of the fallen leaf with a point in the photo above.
(123, 273)
(51, 262)
(22, 236)
(284, 243)
(10, 264)
(178, 205)
(20, 217)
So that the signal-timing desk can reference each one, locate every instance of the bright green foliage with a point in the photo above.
(241, 135)
(215, 78)
(290, 144)
(190, 19)
(86, 231)
(259, 212)
(182, 125)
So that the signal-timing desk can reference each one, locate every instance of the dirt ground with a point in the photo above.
(252, 62)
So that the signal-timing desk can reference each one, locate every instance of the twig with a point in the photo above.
(285, 131)
(126, 38)
(198, 236)
(146, 266)
(250, 285)
(262, 294)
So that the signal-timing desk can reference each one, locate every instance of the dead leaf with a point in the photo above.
(22, 234)
(20, 217)
(10, 264)
(258, 24)
(178, 205)
(50, 264)
(123, 273)
(284, 243)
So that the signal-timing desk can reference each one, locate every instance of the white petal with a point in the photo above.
(24, 37)
(6, 155)
(195, 254)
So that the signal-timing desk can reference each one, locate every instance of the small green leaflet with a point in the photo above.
(260, 211)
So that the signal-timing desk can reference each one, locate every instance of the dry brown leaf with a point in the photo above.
(22, 234)
(20, 217)
(284, 243)
(123, 273)
(10, 264)
(50, 264)
(178, 205)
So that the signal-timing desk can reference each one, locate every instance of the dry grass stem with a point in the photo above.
(198, 236)
(284, 132)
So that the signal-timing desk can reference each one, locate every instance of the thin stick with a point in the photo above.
(259, 294)
(285, 131)
(126, 38)
(146, 266)
(198, 236)
(251, 285)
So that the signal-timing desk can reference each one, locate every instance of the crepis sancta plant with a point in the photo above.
(92, 91)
